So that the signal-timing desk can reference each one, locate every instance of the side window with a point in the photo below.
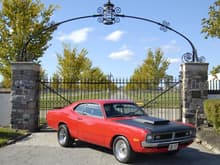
(81, 108)
(94, 110)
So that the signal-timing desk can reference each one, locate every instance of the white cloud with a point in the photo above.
(174, 60)
(114, 36)
(122, 55)
(171, 47)
(77, 36)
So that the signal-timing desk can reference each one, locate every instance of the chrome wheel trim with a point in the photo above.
(121, 149)
(62, 136)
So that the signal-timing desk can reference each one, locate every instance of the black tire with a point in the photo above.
(122, 150)
(63, 136)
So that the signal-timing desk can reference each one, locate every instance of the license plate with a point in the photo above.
(173, 147)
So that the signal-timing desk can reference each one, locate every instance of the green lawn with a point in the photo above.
(7, 134)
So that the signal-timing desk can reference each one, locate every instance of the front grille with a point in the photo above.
(163, 136)
(181, 134)
(170, 136)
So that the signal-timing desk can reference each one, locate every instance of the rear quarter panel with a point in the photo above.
(54, 118)
(65, 116)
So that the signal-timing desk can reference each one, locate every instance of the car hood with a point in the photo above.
(154, 124)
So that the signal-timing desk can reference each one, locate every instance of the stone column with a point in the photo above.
(194, 90)
(25, 95)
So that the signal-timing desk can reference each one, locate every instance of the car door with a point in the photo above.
(92, 124)
(75, 120)
(80, 113)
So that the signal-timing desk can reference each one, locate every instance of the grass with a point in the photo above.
(7, 134)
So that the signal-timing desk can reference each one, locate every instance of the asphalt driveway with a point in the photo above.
(42, 149)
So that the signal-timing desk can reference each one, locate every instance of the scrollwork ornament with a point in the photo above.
(187, 57)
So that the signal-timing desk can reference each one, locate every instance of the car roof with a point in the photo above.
(104, 101)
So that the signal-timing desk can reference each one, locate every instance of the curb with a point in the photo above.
(207, 145)
(18, 139)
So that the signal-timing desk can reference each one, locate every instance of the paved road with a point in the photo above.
(42, 149)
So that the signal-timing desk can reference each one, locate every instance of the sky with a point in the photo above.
(120, 48)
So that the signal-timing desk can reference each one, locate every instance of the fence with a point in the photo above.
(159, 98)
(214, 89)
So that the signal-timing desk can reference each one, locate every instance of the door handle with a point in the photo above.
(79, 118)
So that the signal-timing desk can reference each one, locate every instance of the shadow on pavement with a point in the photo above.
(187, 156)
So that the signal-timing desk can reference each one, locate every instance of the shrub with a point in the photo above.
(212, 111)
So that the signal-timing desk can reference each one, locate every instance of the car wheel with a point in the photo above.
(64, 137)
(122, 150)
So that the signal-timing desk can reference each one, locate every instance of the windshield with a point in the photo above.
(122, 109)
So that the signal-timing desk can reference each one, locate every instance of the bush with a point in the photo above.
(212, 112)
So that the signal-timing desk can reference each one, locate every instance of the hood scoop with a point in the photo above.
(152, 120)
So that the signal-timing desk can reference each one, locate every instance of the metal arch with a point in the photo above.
(108, 15)
(24, 48)
(194, 52)
(111, 15)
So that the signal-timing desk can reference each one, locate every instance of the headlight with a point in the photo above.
(192, 132)
(149, 137)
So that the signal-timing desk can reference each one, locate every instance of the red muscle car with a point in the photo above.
(119, 125)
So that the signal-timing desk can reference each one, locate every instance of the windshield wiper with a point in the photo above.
(117, 115)
(134, 113)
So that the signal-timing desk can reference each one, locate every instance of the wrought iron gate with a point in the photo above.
(160, 98)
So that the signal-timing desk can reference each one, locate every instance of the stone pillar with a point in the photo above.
(25, 95)
(194, 90)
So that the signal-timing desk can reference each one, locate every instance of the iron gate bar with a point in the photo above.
(155, 98)
(57, 93)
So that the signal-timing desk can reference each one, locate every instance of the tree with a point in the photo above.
(211, 26)
(153, 68)
(74, 66)
(43, 74)
(93, 73)
(214, 71)
(93, 76)
(19, 21)
(55, 81)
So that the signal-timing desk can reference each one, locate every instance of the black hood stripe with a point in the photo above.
(145, 122)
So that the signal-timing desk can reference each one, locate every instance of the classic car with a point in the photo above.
(119, 125)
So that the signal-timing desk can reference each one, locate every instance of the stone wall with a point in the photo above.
(25, 95)
(5, 108)
(214, 96)
(194, 90)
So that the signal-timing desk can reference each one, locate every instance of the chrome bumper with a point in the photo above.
(164, 144)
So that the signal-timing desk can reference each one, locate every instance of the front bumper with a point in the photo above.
(146, 144)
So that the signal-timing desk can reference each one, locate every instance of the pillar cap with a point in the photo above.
(25, 66)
